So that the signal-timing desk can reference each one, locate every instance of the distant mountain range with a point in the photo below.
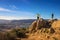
(7, 24)
(4, 21)
(16, 21)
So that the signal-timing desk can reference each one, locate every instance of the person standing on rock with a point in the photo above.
(38, 16)
(52, 16)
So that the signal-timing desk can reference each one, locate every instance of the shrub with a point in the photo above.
(52, 30)
(20, 32)
(10, 35)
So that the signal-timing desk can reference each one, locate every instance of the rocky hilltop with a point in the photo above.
(45, 30)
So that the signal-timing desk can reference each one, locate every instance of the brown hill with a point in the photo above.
(42, 30)
(45, 33)
(56, 24)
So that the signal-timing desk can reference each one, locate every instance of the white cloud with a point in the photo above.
(12, 6)
(3, 9)
(16, 14)
(7, 17)
(13, 18)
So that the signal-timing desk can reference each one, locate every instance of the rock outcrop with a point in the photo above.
(38, 24)
(46, 30)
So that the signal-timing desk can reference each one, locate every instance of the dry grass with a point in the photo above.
(56, 24)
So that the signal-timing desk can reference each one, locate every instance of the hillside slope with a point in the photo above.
(52, 33)
(56, 24)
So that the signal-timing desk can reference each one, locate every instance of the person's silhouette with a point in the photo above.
(52, 16)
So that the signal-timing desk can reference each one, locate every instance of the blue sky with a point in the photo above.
(27, 9)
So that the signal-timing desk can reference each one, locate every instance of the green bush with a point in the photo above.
(21, 33)
(11, 35)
